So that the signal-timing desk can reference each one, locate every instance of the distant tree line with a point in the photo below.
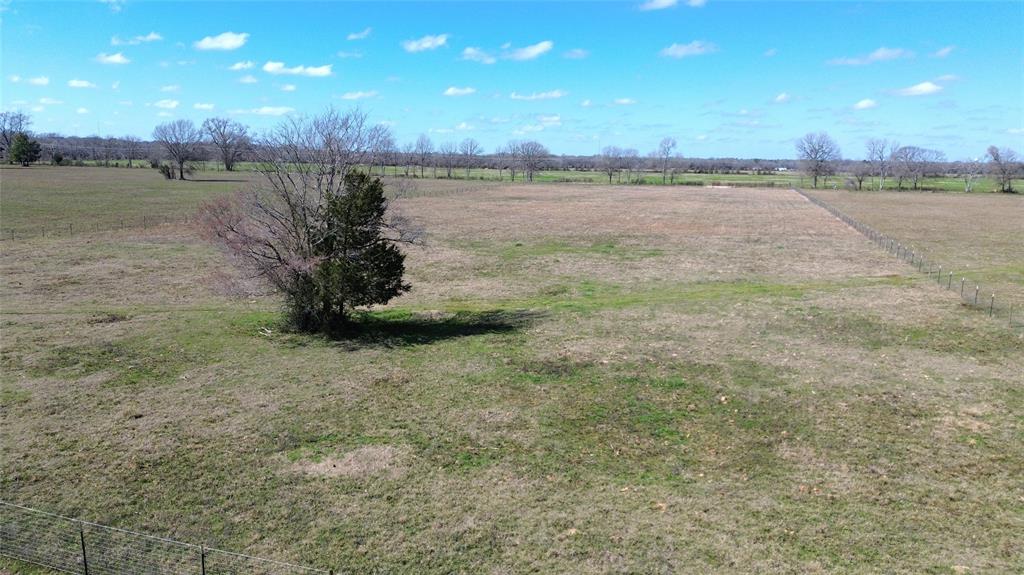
(177, 146)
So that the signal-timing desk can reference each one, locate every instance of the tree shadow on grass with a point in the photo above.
(392, 330)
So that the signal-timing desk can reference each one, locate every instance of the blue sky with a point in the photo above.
(724, 78)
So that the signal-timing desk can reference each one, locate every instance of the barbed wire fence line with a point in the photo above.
(971, 293)
(80, 547)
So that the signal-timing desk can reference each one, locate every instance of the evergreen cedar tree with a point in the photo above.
(24, 150)
(357, 266)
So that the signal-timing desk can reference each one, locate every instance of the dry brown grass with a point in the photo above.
(709, 380)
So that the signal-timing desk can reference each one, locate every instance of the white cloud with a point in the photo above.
(624, 101)
(350, 55)
(782, 98)
(658, 4)
(463, 126)
(882, 54)
(1015, 131)
(865, 104)
(202, 106)
(115, 5)
(136, 40)
(576, 54)
(225, 41)
(116, 85)
(943, 52)
(425, 43)
(164, 114)
(82, 111)
(539, 95)
(358, 95)
(770, 52)
(359, 35)
(242, 65)
(117, 58)
(554, 120)
(266, 111)
(456, 91)
(288, 88)
(49, 101)
(166, 104)
(80, 84)
(922, 89)
(947, 78)
(248, 79)
(37, 108)
(695, 48)
(477, 55)
(39, 81)
(170, 88)
(315, 71)
(586, 103)
(14, 78)
(530, 52)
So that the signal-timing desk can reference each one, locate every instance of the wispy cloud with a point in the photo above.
(38, 81)
(662, 4)
(576, 54)
(456, 91)
(865, 104)
(358, 95)
(586, 103)
(947, 78)
(114, 5)
(224, 41)
(771, 52)
(202, 106)
(242, 65)
(943, 52)
(922, 89)
(315, 71)
(265, 111)
(136, 40)
(82, 111)
(350, 55)
(248, 79)
(167, 104)
(118, 58)
(624, 101)
(550, 95)
(425, 43)
(50, 101)
(695, 48)
(170, 88)
(529, 52)
(359, 35)
(474, 54)
(288, 88)
(882, 54)
(782, 98)
(80, 84)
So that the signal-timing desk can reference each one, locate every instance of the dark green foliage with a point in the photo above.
(24, 150)
(356, 265)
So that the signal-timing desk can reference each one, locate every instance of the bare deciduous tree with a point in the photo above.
(862, 171)
(449, 153)
(665, 149)
(297, 229)
(970, 171)
(131, 148)
(181, 140)
(532, 154)
(611, 160)
(231, 139)
(470, 149)
(1003, 166)
(879, 155)
(818, 152)
(424, 149)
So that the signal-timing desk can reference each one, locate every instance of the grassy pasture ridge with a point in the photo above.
(584, 378)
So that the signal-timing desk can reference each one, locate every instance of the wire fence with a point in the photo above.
(73, 228)
(73, 546)
(971, 293)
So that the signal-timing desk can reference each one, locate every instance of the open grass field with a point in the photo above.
(584, 379)
(977, 237)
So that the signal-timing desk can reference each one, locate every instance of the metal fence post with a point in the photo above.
(85, 560)
(202, 559)
(950, 284)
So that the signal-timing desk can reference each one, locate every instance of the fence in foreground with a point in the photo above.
(971, 293)
(83, 548)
